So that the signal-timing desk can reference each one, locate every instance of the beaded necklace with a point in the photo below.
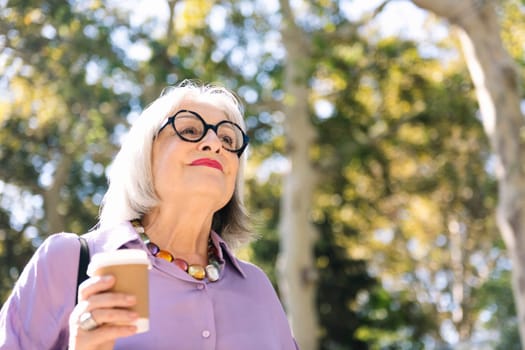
(211, 271)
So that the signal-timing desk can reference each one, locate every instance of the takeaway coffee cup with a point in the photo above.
(130, 268)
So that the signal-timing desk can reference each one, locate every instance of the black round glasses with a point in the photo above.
(190, 126)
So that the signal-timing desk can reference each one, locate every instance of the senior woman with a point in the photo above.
(175, 192)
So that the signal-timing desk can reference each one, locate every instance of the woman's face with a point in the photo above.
(203, 170)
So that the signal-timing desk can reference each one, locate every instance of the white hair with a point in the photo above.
(131, 192)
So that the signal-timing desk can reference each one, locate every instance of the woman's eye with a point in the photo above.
(189, 131)
(227, 140)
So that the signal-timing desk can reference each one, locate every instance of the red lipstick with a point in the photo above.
(207, 162)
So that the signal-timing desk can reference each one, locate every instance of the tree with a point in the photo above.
(297, 274)
(341, 279)
(495, 78)
(403, 163)
(375, 155)
(59, 109)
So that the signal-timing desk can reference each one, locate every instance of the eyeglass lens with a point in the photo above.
(191, 128)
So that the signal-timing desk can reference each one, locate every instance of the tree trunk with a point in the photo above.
(495, 78)
(296, 267)
(55, 219)
(171, 18)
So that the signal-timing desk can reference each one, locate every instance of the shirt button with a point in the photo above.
(206, 334)
(200, 286)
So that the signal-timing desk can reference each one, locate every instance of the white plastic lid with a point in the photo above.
(118, 257)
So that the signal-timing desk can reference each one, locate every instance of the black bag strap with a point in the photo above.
(83, 262)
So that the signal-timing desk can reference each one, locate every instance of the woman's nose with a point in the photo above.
(210, 142)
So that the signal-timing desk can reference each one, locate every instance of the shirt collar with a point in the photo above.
(222, 247)
(116, 237)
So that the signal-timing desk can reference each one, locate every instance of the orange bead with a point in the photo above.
(165, 255)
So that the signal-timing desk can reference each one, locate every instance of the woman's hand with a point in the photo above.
(109, 319)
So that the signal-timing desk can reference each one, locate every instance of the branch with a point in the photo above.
(171, 19)
(375, 13)
(452, 10)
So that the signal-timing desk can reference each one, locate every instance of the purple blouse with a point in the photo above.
(240, 311)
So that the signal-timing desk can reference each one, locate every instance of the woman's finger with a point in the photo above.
(114, 316)
(111, 332)
(109, 300)
(107, 313)
(94, 285)
(101, 337)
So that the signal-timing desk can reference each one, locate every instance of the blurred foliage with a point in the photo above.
(495, 298)
(57, 124)
(404, 211)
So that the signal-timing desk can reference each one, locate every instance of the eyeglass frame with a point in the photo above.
(207, 127)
